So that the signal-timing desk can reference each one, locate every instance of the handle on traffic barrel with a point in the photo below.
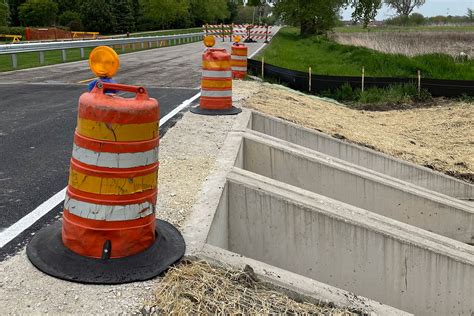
(140, 92)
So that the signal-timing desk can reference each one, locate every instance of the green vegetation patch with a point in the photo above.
(289, 50)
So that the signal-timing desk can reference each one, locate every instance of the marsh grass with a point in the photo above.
(411, 43)
(326, 57)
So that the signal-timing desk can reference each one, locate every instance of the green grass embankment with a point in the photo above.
(289, 50)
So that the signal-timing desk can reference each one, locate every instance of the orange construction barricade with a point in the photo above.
(216, 83)
(109, 233)
(239, 60)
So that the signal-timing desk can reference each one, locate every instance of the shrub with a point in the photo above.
(71, 19)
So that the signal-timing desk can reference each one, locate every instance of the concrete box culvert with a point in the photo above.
(358, 186)
(343, 246)
(362, 156)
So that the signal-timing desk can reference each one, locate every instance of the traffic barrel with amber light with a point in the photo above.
(109, 233)
(239, 59)
(216, 83)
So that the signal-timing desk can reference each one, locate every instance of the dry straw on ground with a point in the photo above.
(441, 137)
(199, 288)
(411, 43)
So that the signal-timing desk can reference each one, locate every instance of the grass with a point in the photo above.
(394, 97)
(411, 43)
(326, 57)
(31, 60)
(422, 28)
(198, 288)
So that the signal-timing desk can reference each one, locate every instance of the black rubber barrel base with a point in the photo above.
(47, 252)
(230, 111)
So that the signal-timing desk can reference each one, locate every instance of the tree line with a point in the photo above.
(119, 16)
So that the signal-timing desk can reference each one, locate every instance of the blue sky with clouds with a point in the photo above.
(430, 8)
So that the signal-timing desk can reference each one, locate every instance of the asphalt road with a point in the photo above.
(176, 66)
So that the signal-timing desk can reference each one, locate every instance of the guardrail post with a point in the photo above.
(123, 48)
(63, 55)
(14, 61)
(133, 46)
(150, 44)
(142, 44)
(82, 53)
(41, 58)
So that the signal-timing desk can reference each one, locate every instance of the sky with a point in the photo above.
(430, 8)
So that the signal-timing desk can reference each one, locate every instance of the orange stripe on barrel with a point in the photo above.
(87, 237)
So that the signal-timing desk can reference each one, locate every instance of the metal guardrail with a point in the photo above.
(14, 49)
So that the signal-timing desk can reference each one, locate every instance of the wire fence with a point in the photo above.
(311, 83)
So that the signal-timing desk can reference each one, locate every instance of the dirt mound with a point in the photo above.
(440, 138)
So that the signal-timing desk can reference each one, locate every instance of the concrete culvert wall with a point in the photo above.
(343, 246)
(362, 156)
(328, 177)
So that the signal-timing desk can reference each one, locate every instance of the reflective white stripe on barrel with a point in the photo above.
(236, 57)
(108, 212)
(216, 93)
(115, 160)
(216, 74)
(239, 68)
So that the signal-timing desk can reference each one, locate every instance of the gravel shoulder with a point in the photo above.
(187, 155)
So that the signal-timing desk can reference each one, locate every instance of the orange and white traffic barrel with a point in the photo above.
(216, 83)
(239, 60)
(109, 231)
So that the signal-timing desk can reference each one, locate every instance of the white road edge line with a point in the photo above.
(258, 50)
(29, 219)
(16, 229)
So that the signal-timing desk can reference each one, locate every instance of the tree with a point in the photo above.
(68, 5)
(38, 12)
(209, 11)
(312, 16)
(97, 16)
(14, 8)
(71, 19)
(404, 7)
(4, 13)
(365, 11)
(164, 13)
(470, 15)
(124, 15)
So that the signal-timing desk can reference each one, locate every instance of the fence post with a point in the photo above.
(223, 32)
(419, 83)
(363, 78)
(266, 34)
(263, 67)
(310, 77)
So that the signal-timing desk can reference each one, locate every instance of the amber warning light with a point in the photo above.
(104, 62)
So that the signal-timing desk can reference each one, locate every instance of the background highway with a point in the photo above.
(38, 109)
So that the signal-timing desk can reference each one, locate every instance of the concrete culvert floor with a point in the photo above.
(440, 137)
(196, 287)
